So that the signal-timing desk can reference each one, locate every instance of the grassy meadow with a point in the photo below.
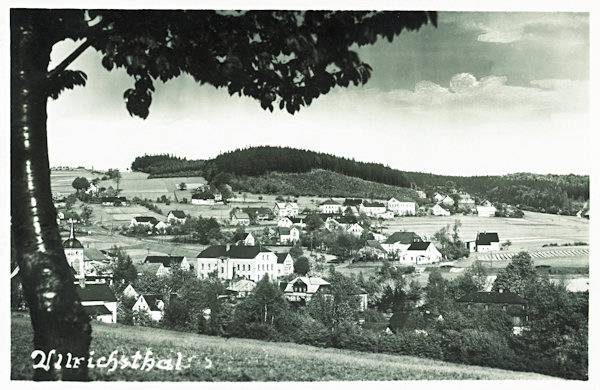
(231, 360)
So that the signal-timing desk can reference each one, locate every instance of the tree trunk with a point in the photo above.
(58, 319)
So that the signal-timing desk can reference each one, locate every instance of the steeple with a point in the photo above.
(72, 242)
(72, 235)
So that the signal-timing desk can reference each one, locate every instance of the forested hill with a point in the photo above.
(546, 193)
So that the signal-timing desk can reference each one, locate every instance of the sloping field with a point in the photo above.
(219, 359)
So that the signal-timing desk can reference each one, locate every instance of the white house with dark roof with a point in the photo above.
(402, 207)
(288, 235)
(142, 220)
(485, 242)
(153, 304)
(330, 206)
(250, 262)
(355, 229)
(286, 209)
(284, 222)
(240, 218)
(486, 211)
(398, 242)
(422, 253)
(98, 300)
(246, 239)
(440, 211)
(176, 216)
(373, 208)
(161, 265)
(203, 198)
(285, 264)
(302, 288)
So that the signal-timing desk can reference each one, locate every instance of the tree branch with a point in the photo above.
(67, 61)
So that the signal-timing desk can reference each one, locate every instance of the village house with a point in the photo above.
(288, 235)
(438, 197)
(330, 206)
(448, 201)
(286, 209)
(421, 194)
(298, 221)
(130, 292)
(332, 224)
(246, 239)
(161, 265)
(372, 209)
(146, 221)
(301, 289)
(373, 249)
(398, 242)
(176, 216)
(284, 222)
(239, 218)
(152, 304)
(439, 210)
(422, 253)
(241, 288)
(259, 213)
(98, 300)
(404, 207)
(484, 242)
(113, 201)
(250, 262)
(486, 210)
(356, 230)
(203, 198)
(465, 202)
(510, 302)
(285, 264)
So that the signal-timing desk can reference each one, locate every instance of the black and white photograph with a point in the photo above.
(280, 192)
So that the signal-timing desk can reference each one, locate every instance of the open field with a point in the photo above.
(531, 231)
(219, 359)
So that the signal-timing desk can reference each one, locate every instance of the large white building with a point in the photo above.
(250, 262)
(330, 206)
(404, 207)
(422, 253)
(286, 209)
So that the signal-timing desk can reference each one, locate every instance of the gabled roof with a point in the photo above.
(246, 252)
(241, 215)
(177, 213)
(257, 210)
(281, 257)
(93, 254)
(145, 219)
(312, 284)
(151, 300)
(402, 199)
(239, 237)
(242, 285)
(486, 238)
(352, 202)
(213, 251)
(296, 219)
(95, 292)
(204, 195)
(419, 246)
(96, 310)
(403, 238)
(373, 204)
(493, 297)
(375, 245)
(165, 260)
(329, 202)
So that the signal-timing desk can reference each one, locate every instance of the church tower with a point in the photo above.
(74, 253)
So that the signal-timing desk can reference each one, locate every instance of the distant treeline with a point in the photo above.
(166, 165)
(252, 170)
(256, 161)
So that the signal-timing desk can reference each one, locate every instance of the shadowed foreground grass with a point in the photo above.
(243, 360)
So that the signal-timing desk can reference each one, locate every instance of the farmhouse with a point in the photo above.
(74, 253)
(438, 197)
(421, 194)
(130, 292)
(288, 235)
(465, 201)
(485, 242)
(161, 265)
(239, 218)
(203, 198)
(149, 222)
(241, 288)
(373, 249)
(486, 211)
(398, 242)
(302, 289)
(246, 239)
(356, 230)
(372, 208)
(259, 213)
(448, 201)
(152, 304)
(286, 209)
(284, 222)
(422, 253)
(285, 264)
(439, 210)
(511, 303)
(330, 206)
(98, 300)
(404, 207)
(113, 201)
(250, 262)
(176, 216)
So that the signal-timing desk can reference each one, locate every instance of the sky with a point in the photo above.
(484, 93)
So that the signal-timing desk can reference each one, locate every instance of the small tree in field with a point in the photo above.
(182, 186)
